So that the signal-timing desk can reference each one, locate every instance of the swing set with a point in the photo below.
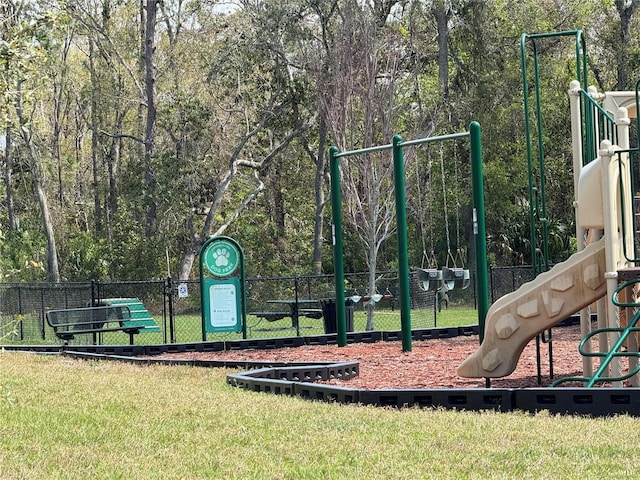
(432, 278)
(453, 274)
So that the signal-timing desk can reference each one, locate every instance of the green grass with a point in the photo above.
(457, 317)
(71, 419)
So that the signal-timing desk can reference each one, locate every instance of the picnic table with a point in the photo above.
(296, 307)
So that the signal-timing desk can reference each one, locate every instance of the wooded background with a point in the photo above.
(131, 131)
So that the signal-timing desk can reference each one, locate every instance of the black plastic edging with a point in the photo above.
(299, 378)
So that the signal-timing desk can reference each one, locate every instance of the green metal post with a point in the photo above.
(403, 247)
(338, 247)
(479, 229)
(529, 149)
(537, 196)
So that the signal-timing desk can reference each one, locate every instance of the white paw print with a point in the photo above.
(221, 257)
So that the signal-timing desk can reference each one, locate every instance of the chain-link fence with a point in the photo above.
(269, 300)
(505, 280)
(22, 308)
(176, 306)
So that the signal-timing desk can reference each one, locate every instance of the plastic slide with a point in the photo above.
(518, 317)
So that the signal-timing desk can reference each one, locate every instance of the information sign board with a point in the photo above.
(222, 286)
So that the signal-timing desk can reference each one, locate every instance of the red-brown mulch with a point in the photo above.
(430, 363)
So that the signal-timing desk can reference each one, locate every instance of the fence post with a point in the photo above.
(296, 287)
(42, 332)
(20, 312)
(172, 332)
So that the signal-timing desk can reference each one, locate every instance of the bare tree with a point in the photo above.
(441, 10)
(318, 55)
(361, 112)
(8, 16)
(236, 162)
(37, 178)
(28, 29)
(149, 10)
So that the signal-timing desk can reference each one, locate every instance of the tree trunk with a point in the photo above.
(53, 271)
(279, 212)
(186, 266)
(441, 15)
(97, 207)
(7, 10)
(190, 256)
(149, 136)
(60, 105)
(8, 184)
(318, 223)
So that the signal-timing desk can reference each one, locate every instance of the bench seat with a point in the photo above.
(311, 313)
(271, 316)
(274, 316)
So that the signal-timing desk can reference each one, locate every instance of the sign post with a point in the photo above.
(222, 282)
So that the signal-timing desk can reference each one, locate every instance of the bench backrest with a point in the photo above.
(93, 317)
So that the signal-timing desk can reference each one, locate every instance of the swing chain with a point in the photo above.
(444, 204)
(460, 251)
(427, 258)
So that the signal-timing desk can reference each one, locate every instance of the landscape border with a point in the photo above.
(298, 378)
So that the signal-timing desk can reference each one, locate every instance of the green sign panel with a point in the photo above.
(222, 305)
(221, 257)
(222, 286)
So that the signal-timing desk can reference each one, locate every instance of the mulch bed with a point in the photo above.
(430, 364)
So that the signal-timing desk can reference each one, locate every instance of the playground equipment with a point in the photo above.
(447, 278)
(400, 200)
(605, 183)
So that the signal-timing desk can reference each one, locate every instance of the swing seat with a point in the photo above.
(352, 295)
(456, 278)
(430, 279)
(375, 298)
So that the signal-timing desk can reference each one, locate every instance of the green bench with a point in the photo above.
(126, 315)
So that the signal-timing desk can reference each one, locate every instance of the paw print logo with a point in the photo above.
(221, 257)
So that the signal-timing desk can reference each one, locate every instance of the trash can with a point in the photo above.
(330, 317)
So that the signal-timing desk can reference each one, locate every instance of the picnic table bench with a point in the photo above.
(110, 315)
(303, 312)
(298, 307)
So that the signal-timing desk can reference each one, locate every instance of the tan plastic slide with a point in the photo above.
(551, 297)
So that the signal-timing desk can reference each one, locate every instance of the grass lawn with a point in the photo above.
(69, 419)
(457, 317)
